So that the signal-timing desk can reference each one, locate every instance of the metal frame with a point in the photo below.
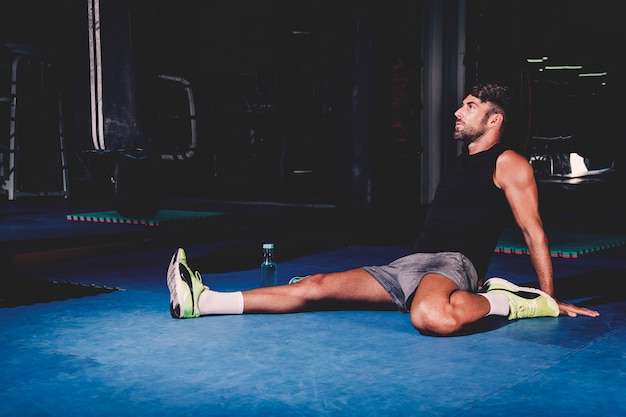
(11, 185)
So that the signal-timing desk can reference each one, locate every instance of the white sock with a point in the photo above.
(498, 303)
(212, 302)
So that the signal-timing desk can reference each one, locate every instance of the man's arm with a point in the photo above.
(514, 175)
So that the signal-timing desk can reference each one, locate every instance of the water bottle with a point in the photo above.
(269, 270)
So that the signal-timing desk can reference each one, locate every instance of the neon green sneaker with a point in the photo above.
(185, 287)
(524, 302)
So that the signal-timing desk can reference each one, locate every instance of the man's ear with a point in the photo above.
(496, 119)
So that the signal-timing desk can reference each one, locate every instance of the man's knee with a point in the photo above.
(313, 287)
(431, 319)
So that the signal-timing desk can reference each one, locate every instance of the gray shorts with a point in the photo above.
(401, 277)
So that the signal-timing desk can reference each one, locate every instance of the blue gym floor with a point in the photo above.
(120, 353)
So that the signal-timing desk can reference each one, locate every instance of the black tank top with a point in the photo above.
(468, 212)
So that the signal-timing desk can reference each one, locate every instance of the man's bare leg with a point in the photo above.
(439, 307)
(352, 289)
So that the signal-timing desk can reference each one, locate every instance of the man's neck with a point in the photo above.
(482, 144)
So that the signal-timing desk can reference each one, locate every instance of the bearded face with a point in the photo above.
(468, 131)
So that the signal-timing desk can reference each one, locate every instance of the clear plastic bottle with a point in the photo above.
(269, 269)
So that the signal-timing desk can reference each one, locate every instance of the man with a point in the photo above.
(439, 284)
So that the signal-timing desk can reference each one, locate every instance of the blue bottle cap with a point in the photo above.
(268, 246)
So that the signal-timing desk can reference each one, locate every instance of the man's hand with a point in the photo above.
(573, 311)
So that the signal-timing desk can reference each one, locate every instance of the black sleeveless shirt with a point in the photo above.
(468, 212)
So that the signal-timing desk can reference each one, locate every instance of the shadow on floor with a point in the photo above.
(593, 288)
(29, 291)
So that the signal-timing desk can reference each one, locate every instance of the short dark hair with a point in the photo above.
(499, 96)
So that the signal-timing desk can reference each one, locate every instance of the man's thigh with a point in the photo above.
(354, 288)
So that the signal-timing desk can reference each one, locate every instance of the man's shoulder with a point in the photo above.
(511, 156)
(510, 165)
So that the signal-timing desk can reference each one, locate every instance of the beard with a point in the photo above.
(469, 134)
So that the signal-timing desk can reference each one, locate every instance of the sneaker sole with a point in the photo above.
(174, 283)
(502, 284)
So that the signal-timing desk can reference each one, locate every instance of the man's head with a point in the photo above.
(486, 108)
